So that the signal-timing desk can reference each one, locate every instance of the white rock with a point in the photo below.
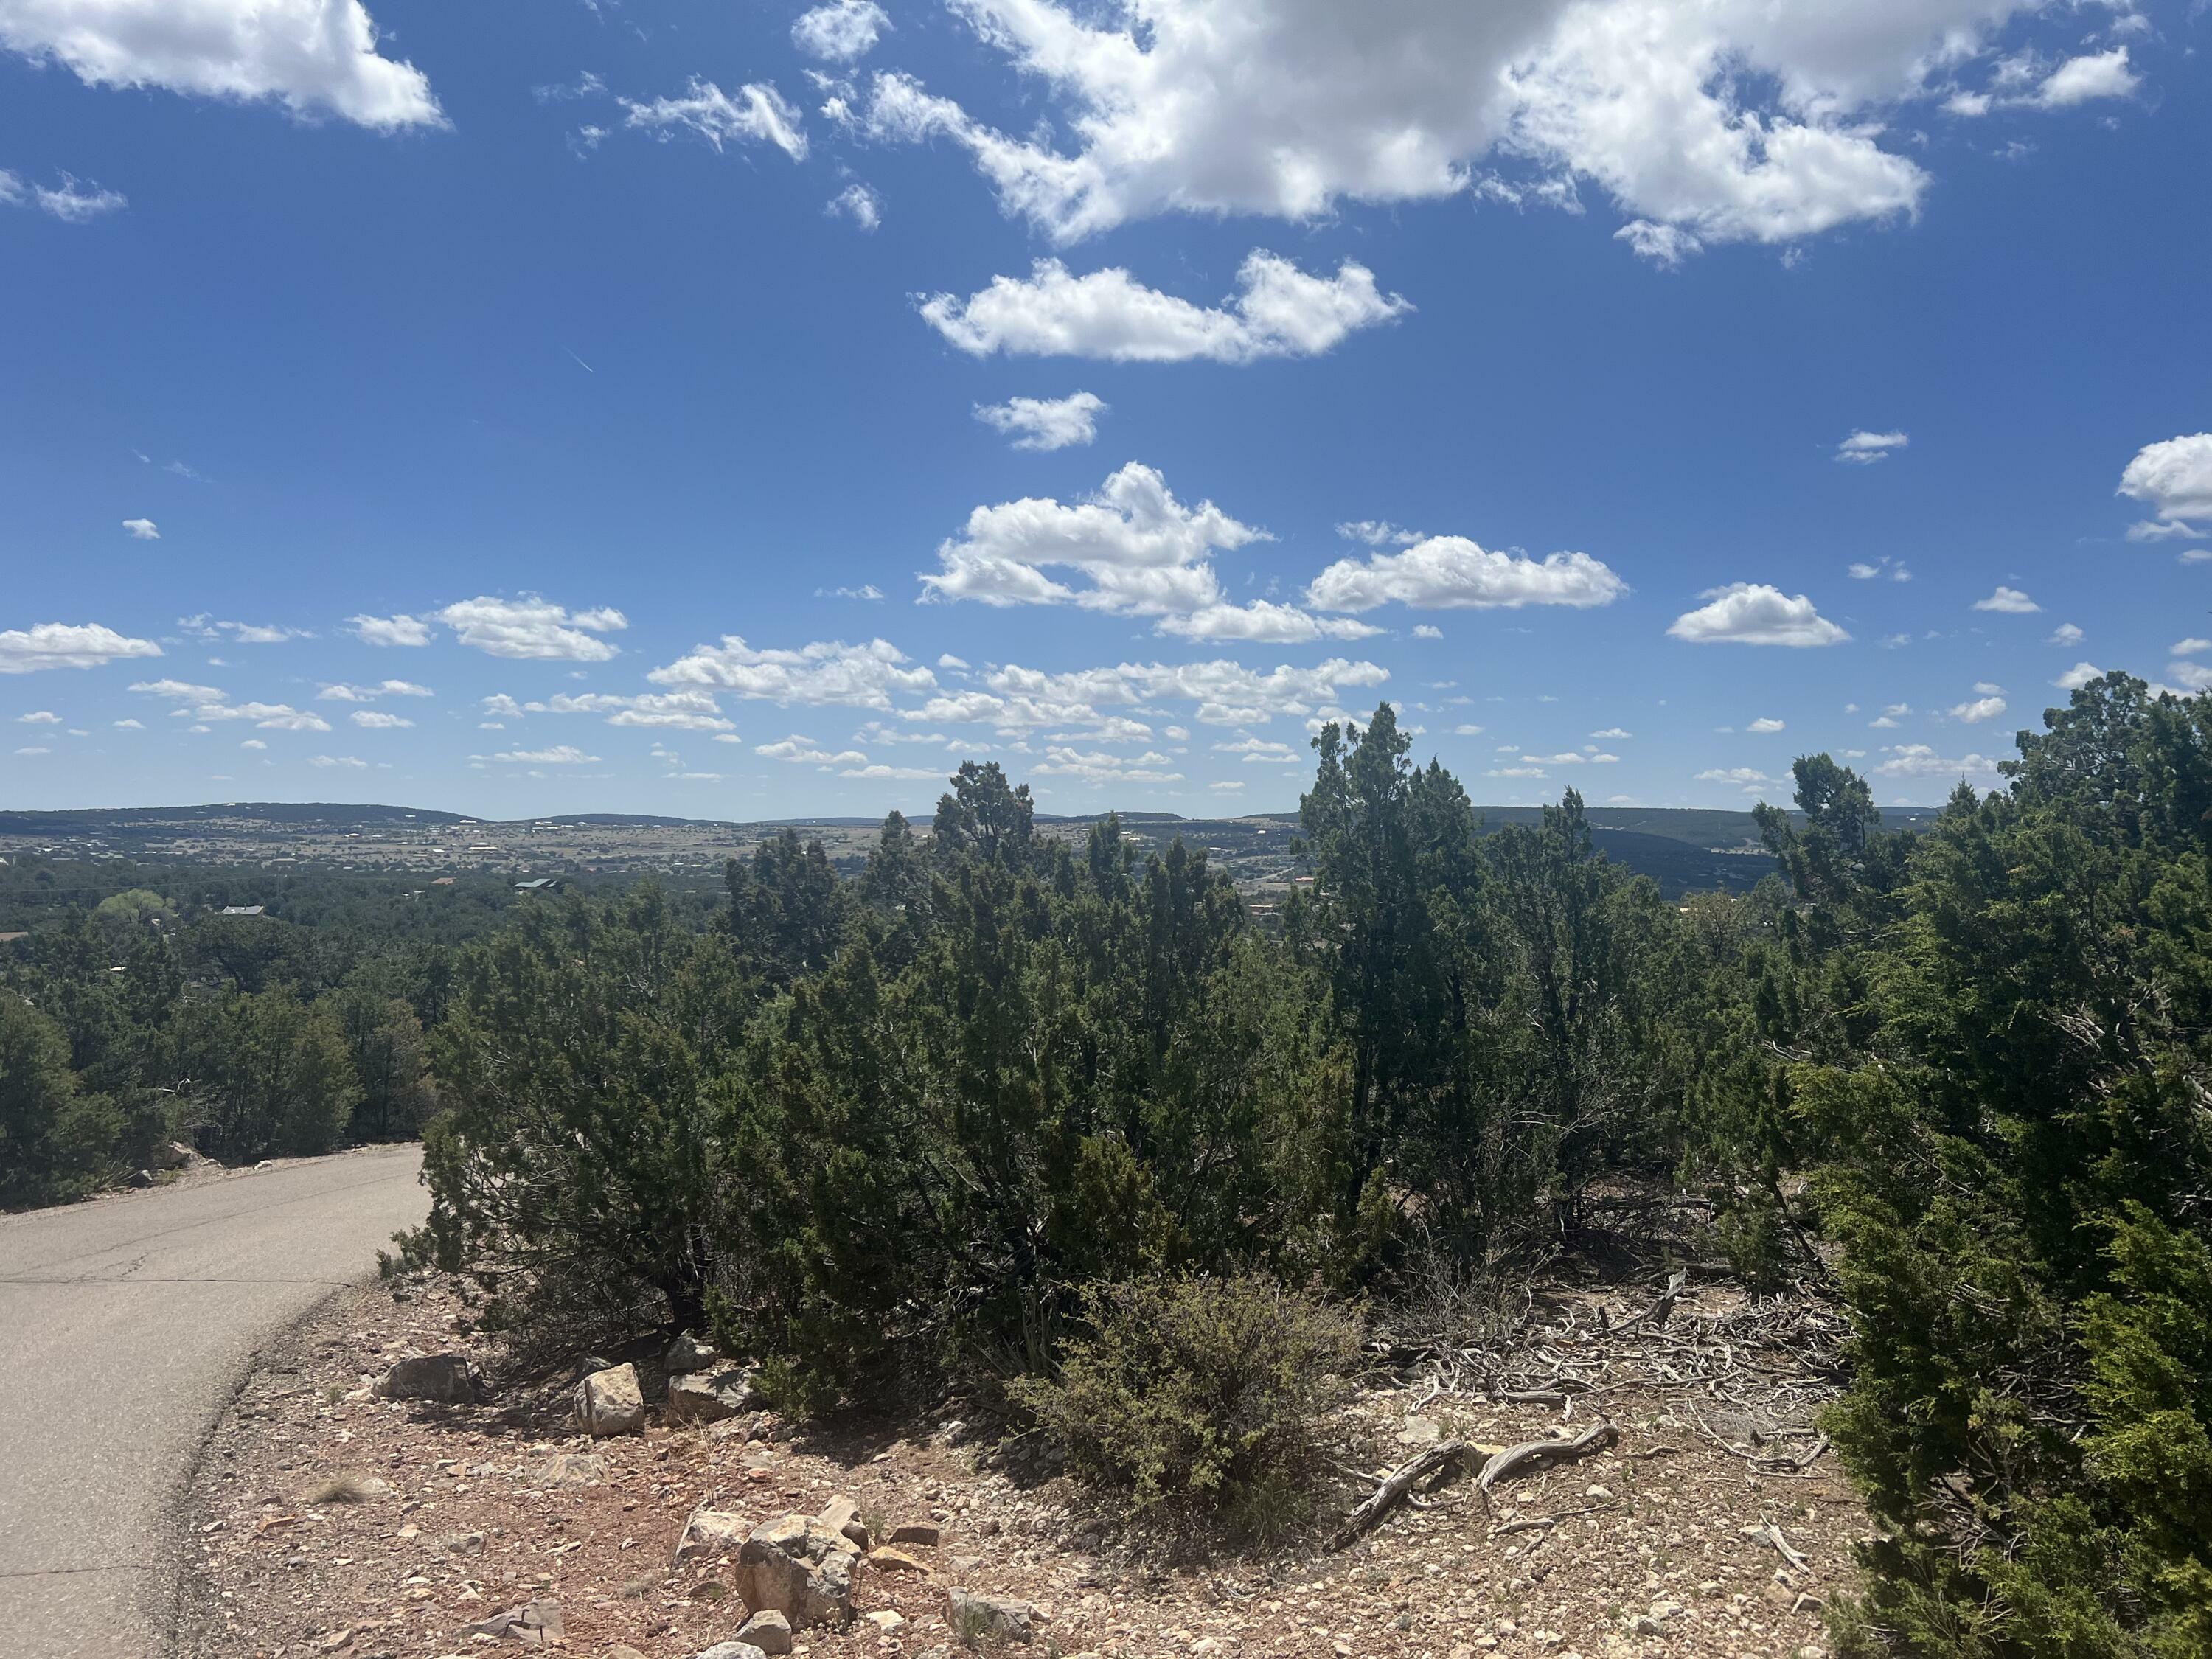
(800, 1567)
(610, 1402)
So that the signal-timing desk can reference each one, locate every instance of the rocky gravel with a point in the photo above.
(329, 1520)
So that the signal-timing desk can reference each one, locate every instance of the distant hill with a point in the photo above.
(321, 815)
(1683, 848)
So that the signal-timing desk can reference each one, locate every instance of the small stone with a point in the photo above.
(891, 1560)
(1420, 1431)
(568, 1469)
(767, 1630)
(463, 1543)
(923, 1537)
(730, 1650)
(1645, 1624)
(885, 1619)
(610, 1402)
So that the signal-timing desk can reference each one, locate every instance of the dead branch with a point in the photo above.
(1773, 1535)
(1539, 1522)
(1541, 1453)
(1398, 1486)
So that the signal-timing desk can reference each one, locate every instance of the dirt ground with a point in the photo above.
(327, 1521)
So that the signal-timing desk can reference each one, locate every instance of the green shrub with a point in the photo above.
(1201, 1395)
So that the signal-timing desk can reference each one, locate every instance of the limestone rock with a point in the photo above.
(711, 1533)
(687, 1353)
(610, 1402)
(923, 1537)
(842, 1515)
(451, 1379)
(801, 1568)
(708, 1396)
(730, 1650)
(887, 1559)
(767, 1630)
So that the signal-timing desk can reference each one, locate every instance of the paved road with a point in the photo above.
(123, 1326)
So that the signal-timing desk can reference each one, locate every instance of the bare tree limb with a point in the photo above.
(1541, 1453)
(1395, 1489)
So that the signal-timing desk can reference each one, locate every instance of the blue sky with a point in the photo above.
(751, 411)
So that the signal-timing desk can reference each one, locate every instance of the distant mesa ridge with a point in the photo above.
(1683, 848)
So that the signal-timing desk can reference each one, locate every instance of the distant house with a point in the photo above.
(443, 881)
(242, 909)
(542, 884)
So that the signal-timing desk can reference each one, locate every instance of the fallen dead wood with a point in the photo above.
(1396, 1488)
(1773, 1535)
(1792, 1465)
(1542, 1454)
(1540, 1522)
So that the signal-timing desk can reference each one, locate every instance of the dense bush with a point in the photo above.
(1201, 1397)
(2019, 1163)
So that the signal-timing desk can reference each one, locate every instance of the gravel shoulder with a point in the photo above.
(326, 1520)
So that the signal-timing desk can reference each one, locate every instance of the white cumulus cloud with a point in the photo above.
(858, 202)
(1865, 448)
(531, 627)
(842, 31)
(1046, 422)
(806, 750)
(2173, 478)
(2010, 600)
(1754, 613)
(342, 693)
(67, 645)
(1143, 552)
(827, 672)
(1446, 572)
(560, 754)
(389, 631)
(2091, 75)
(1720, 121)
(312, 56)
(1278, 311)
(1918, 760)
(144, 530)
